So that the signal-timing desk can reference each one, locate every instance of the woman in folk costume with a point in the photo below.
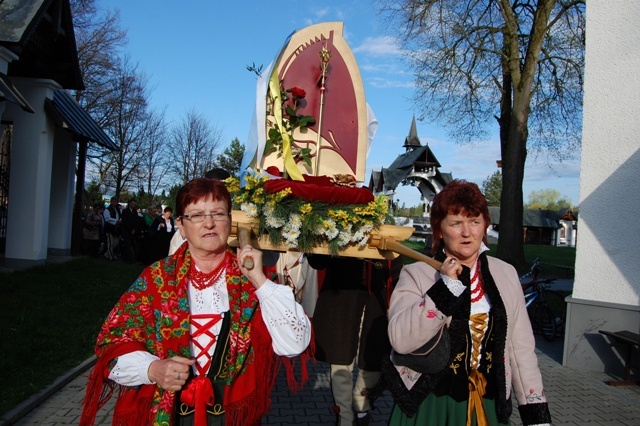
(479, 299)
(198, 338)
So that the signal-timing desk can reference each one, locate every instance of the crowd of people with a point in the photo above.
(129, 234)
(199, 336)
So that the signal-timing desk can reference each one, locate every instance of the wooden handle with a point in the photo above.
(244, 238)
(391, 244)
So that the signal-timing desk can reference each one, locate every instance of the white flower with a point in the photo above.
(250, 209)
(274, 222)
(330, 229)
(295, 221)
(291, 235)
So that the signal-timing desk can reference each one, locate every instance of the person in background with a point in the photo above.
(131, 231)
(350, 328)
(91, 230)
(112, 221)
(479, 299)
(149, 214)
(198, 337)
(161, 231)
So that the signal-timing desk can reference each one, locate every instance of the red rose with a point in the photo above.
(298, 93)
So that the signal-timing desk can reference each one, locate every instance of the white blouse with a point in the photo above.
(288, 325)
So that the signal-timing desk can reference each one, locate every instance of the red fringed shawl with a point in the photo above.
(153, 315)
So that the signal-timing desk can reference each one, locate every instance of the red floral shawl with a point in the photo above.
(153, 315)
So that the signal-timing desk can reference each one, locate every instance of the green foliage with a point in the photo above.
(145, 200)
(415, 211)
(492, 188)
(170, 200)
(290, 122)
(53, 313)
(92, 195)
(547, 199)
(231, 158)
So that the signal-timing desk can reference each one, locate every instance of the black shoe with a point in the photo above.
(362, 421)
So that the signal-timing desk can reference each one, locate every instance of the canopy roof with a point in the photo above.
(40, 33)
(69, 115)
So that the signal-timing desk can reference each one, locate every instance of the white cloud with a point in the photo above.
(379, 46)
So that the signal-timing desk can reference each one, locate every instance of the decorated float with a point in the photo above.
(305, 160)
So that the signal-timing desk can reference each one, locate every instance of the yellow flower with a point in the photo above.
(233, 184)
(258, 196)
(282, 194)
(305, 209)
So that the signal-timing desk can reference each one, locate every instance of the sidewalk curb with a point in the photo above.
(22, 409)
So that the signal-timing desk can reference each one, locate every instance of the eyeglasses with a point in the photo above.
(200, 217)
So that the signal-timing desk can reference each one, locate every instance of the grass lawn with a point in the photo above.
(51, 316)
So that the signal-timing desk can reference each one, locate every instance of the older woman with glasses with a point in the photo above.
(198, 337)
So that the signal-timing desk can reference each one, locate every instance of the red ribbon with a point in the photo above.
(198, 394)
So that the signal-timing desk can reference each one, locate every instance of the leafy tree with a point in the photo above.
(492, 188)
(547, 199)
(92, 195)
(520, 62)
(231, 158)
(193, 141)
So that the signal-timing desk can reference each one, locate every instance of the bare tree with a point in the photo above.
(518, 62)
(99, 40)
(157, 159)
(194, 142)
(128, 126)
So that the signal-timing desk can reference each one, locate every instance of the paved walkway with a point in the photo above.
(576, 397)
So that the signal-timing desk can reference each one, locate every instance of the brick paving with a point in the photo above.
(576, 397)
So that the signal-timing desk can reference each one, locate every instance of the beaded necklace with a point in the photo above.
(201, 280)
(478, 291)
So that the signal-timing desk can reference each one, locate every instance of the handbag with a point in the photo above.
(430, 358)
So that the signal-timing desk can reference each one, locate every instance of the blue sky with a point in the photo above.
(196, 52)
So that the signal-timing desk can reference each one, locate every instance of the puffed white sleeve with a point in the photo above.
(288, 325)
(131, 369)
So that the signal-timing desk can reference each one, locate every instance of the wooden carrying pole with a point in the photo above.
(378, 246)
(383, 243)
(244, 238)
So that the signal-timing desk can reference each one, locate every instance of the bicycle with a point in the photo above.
(546, 308)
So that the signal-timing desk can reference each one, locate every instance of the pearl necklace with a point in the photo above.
(201, 280)
(478, 291)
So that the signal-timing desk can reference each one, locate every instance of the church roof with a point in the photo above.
(535, 218)
(40, 33)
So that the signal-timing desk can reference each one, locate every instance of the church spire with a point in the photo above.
(412, 141)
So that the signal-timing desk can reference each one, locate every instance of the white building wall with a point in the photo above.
(606, 292)
(62, 193)
(607, 265)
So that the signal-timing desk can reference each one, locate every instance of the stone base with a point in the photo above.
(586, 348)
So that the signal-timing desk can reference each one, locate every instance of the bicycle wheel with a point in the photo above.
(555, 302)
(544, 321)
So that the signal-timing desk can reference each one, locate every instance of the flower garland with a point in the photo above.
(302, 225)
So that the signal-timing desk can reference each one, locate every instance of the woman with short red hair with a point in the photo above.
(491, 344)
(198, 338)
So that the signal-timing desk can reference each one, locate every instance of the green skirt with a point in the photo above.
(442, 411)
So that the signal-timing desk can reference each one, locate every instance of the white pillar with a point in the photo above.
(62, 194)
(30, 175)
